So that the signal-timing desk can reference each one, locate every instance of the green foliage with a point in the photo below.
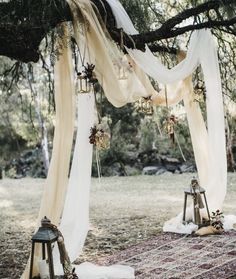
(19, 125)
(131, 132)
(147, 134)
(135, 8)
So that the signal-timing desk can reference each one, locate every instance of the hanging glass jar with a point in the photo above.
(122, 68)
(84, 85)
(145, 105)
(86, 78)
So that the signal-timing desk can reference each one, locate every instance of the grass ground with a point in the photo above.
(124, 211)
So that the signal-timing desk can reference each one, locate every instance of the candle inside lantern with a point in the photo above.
(43, 269)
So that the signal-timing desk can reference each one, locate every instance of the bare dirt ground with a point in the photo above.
(124, 211)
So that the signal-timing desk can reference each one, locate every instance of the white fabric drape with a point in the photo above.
(74, 223)
(57, 180)
(92, 271)
(105, 55)
(75, 219)
(77, 198)
(213, 169)
(208, 144)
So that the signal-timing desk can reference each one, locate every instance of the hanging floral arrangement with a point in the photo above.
(86, 78)
(99, 138)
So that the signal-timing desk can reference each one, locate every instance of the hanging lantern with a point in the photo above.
(99, 138)
(199, 96)
(122, 68)
(83, 85)
(122, 73)
(145, 105)
(169, 126)
(196, 192)
(86, 79)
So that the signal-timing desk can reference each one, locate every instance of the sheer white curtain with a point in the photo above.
(209, 145)
(77, 198)
(57, 180)
(74, 223)
(215, 162)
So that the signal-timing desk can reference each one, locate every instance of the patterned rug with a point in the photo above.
(174, 256)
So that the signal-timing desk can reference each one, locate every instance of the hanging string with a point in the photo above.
(98, 107)
(159, 129)
(102, 20)
(82, 57)
(121, 39)
(157, 123)
(98, 166)
(180, 149)
(86, 48)
(175, 134)
(167, 107)
(99, 119)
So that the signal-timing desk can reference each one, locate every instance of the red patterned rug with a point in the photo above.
(174, 256)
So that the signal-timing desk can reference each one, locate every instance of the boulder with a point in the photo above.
(161, 171)
(171, 164)
(150, 170)
(149, 157)
(29, 163)
(132, 170)
(187, 168)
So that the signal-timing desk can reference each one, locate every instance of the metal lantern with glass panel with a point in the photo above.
(196, 192)
(86, 78)
(45, 236)
(83, 84)
(145, 105)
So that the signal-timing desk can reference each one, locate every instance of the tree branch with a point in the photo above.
(169, 30)
(23, 24)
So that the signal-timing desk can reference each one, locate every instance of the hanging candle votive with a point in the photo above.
(169, 126)
(122, 68)
(86, 79)
(122, 72)
(145, 105)
(84, 85)
(149, 106)
(199, 96)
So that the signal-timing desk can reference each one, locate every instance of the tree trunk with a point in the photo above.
(44, 134)
(230, 158)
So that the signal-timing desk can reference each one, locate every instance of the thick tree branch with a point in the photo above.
(157, 48)
(23, 24)
(169, 30)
